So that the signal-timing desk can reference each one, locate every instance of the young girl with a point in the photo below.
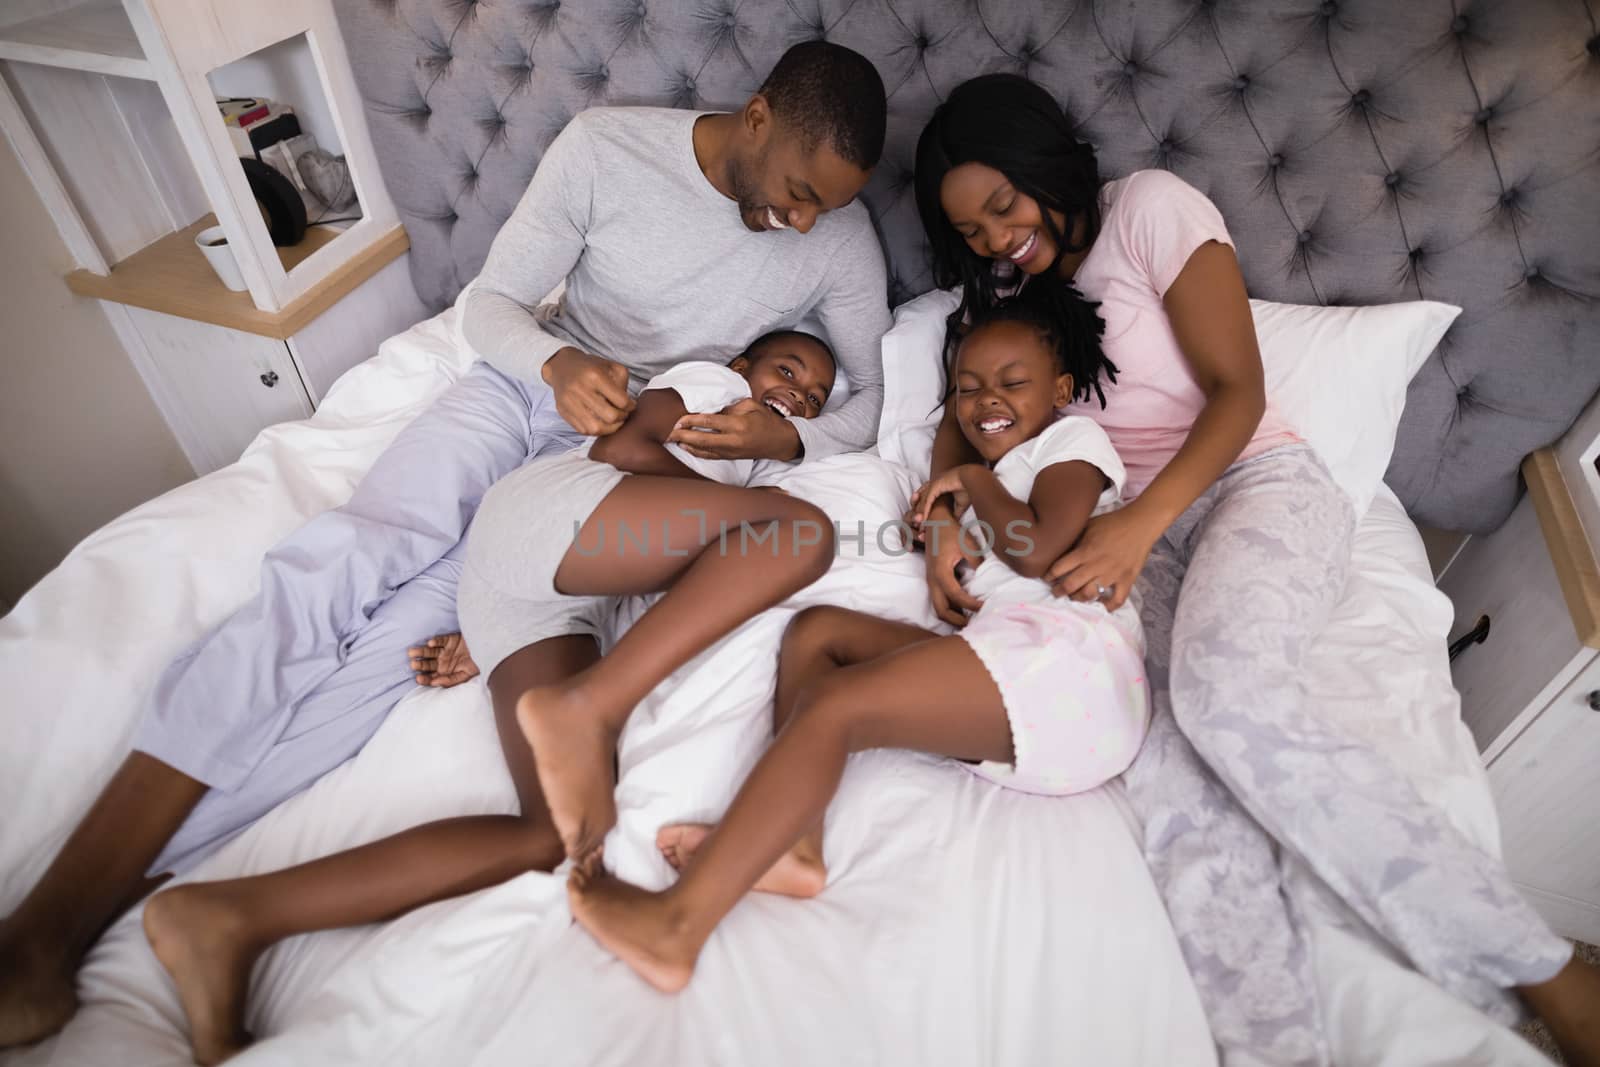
(1042, 695)
(546, 548)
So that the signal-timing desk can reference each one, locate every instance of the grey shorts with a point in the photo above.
(523, 529)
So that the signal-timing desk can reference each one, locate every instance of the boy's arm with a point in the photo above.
(640, 446)
(1031, 535)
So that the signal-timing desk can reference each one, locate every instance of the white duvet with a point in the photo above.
(963, 924)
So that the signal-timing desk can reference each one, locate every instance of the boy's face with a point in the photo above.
(791, 375)
(1007, 387)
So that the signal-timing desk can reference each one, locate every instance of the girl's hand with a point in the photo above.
(947, 484)
(1109, 556)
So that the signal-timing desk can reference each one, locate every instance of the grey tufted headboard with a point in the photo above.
(1362, 151)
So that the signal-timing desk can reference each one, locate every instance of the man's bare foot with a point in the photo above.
(200, 940)
(442, 662)
(642, 929)
(38, 989)
(800, 872)
(574, 751)
(1569, 1004)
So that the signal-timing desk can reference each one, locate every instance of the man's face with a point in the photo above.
(777, 183)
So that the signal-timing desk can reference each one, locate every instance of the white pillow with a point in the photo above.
(913, 379)
(1337, 374)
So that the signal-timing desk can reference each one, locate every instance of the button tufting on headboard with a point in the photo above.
(1361, 150)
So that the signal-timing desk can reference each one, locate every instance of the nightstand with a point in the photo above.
(1530, 690)
(111, 107)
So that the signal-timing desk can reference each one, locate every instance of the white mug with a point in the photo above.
(213, 242)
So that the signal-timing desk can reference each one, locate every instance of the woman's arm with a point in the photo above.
(640, 446)
(950, 450)
(1210, 316)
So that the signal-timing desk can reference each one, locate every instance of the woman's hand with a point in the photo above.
(1108, 556)
(946, 552)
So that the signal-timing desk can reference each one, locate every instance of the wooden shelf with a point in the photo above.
(1570, 550)
(171, 276)
(94, 36)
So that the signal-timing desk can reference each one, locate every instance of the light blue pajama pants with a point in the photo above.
(299, 678)
(1239, 768)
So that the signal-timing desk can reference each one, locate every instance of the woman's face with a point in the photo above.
(997, 220)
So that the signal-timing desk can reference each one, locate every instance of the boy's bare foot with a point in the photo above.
(1569, 1004)
(442, 662)
(38, 989)
(574, 751)
(800, 872)
(200, 940)
(642, 929)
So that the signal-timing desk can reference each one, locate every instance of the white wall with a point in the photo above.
(80, 439)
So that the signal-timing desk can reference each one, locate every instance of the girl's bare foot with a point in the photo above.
(800, 872)
(38, 989)
(1569, 1004)
(442, 662)
(200, 940)
(642, 929)
(574, 751)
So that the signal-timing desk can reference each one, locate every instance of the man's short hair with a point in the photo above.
(829, 94)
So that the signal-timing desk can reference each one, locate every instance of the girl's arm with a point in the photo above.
(1210, 316)
(1030, 535)
(640, 447)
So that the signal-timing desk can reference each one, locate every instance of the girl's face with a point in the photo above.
(1007, 387)
(997, 220)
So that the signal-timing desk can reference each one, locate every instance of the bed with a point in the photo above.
(963, 924)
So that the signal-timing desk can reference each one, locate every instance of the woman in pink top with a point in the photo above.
(1241, 542)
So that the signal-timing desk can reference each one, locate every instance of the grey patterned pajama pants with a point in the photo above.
(1238, 766)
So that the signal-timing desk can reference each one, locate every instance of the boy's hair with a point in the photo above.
(1066, 322)
(828, 94)
(752, 353)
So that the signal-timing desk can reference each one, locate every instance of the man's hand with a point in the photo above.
(591, 392)
(746, 430)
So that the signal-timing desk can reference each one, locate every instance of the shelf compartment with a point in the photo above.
(94, 36)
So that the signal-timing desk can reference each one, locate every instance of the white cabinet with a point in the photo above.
(110, 105)
(1530, 691)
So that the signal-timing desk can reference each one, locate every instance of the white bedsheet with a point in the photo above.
(963, 924)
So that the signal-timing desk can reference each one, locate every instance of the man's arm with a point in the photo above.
(640, 446)
(855, 315)
(535, 250)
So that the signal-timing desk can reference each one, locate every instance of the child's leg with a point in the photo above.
(208, 935)
(711, 589)
(819, 641)
(934, 696)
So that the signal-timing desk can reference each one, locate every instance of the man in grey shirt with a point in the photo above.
(681, 236)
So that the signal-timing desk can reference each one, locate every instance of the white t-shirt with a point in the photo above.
(705, 388)
(1069, 439)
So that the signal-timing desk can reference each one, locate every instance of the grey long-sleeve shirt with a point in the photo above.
(660, 269)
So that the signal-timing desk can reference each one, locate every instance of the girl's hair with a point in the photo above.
(1009, 123)
(1069, 328)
